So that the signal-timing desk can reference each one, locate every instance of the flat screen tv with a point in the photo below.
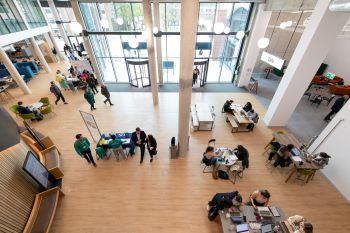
(36, 170)
(330, 75)
(33, 134)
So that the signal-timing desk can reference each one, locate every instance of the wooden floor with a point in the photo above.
(167, 195)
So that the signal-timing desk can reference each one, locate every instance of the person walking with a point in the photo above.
(57, 92)
(89, 96)
(195, 76)
(138, 138)
(91, 82)
(338, 104)
(151, 146)
(82, 147)
(105, 92)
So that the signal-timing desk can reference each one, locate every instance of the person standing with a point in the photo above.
(91, 82)
(338, 104)
(82, 147)
(151, 146)
(195, 75)
(89, 96)
(57, 92)
(105, 92)
(138, 138)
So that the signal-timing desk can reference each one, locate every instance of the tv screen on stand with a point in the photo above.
(36, 170)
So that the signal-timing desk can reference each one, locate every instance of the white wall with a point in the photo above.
(11, 38)
(334, 140)
(338, 59)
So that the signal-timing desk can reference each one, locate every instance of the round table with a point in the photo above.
(36, 105)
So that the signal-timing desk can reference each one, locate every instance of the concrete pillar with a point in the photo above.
(86, 41)
(58, 21)
(312, 49)
(158, 42)
(147, 12)
(55, 45)
(40, 55)
(13, 72)
(188, 31)
(260, 24)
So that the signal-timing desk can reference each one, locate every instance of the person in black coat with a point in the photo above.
(105, 92)
(247, 107)
(338, 104)
(227, 106)
(138, 138)
(242, 155)
(151, 146)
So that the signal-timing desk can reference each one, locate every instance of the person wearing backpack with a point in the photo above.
(221, 201)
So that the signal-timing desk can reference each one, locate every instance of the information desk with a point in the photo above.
(251, 217)
(105, 138)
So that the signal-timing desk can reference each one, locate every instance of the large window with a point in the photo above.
(10, 20)
(32, 13)
(113, 29)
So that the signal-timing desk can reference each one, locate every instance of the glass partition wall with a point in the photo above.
(115, 32)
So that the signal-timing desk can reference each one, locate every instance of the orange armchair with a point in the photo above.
(339, 90)
(336, 80)
(320, 80)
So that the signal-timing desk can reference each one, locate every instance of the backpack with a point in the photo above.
(223, 175)
(256, 118)
(213, 213)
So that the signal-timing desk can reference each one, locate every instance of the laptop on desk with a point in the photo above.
(264, 212)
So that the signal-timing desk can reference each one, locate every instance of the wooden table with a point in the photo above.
(241, 119)
(204, 116)
(286, 138)
(305, 166)
(248, 211)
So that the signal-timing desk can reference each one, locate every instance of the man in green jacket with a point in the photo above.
(89, 96)
(82, 147)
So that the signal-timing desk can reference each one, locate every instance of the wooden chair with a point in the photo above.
(211, 142)
(237, 170)
(207, 163)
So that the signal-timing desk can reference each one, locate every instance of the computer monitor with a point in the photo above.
(36, 170)
(330, 75)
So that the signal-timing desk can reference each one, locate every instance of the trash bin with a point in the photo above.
(173, 148)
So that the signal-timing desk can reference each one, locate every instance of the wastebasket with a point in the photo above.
(173, 148)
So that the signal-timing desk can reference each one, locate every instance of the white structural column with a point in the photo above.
(55, 45)
(313, 47)
(13, 72)
(188, 31)
(147, 11)
(334, 140)
(40, 55)
(86, 42)
(260, 24)
(57, 18)
(158, 41)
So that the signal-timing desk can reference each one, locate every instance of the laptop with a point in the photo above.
(242, 228)
(264, 211)
(296, 152)
(266, 228)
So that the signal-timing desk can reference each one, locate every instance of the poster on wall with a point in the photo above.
(272, 60)
(82, 65)
(91, 125)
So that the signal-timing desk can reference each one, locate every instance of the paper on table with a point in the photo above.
(297, 158)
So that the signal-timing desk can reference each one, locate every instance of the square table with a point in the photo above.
(204, 115)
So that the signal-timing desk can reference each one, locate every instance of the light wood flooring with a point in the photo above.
(167, 195)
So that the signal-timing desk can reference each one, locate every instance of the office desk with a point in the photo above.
(241, 119)
(229, 227)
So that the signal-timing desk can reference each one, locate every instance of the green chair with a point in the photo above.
(46, 110)
(13, 109)
(307, 174)
(28, 116)
(45, 101)
(100, 152)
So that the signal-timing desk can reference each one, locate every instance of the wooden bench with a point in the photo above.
(49, 156)
(194, 118)
(232, 121)
(43, 211)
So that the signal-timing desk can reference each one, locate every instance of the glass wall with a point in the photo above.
(114, 28)
(10, 20)
(32, 13)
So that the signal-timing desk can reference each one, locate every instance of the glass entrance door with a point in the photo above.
(202, 66)
(138, 71)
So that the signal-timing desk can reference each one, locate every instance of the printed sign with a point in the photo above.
(91, 125)
(272, 60)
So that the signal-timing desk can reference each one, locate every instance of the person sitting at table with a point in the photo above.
(115, 144)
(284, 154)
(300, 224)
(242, 155)
(259, 198)
(210, 155)
(321, 159)
(247, 107)
(227, 106)
(225, 200)
(151, 146)
(25, 110)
